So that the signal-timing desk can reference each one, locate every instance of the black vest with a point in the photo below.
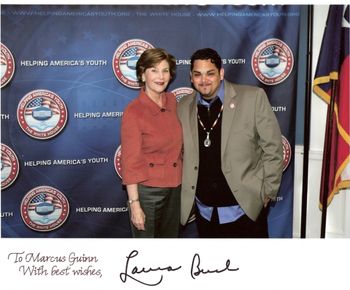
(212, 188)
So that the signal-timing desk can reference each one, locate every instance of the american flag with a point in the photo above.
(133, 51)
(273, 50)
(41, 102)
(5, 160)
(43, 197)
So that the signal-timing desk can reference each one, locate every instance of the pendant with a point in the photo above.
(207, 141)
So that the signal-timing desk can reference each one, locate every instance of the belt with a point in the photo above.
(227, 214)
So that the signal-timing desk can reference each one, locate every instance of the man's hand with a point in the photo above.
(266, 201)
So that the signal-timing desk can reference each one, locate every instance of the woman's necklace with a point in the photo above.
(207, 141)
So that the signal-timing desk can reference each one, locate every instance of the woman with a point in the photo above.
(151, 139)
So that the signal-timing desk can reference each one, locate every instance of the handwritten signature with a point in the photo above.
(195, 271)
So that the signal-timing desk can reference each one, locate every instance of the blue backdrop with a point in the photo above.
(74, 67)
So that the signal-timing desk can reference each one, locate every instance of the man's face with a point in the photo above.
(206, 78)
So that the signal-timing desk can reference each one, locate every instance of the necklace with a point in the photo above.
(207, 141)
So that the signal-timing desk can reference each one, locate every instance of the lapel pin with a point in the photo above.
(232, 105)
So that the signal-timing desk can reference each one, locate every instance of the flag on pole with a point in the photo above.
(333, 67)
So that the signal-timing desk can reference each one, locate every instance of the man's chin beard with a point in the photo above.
(207, 97)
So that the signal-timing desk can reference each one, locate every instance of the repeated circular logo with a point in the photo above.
(44, 208)
(118, 161)
(287, 152)
(181, 92)
(7, 65)
(9, 166)
(42, 114)
(124, 61)
(272, 61)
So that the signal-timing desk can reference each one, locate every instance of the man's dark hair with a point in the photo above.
(207, 53)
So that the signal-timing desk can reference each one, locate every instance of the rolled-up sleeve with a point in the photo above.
(133, 163)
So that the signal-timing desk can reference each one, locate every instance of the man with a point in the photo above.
(232, 153)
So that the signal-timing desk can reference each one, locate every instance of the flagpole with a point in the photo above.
(328, 144)
(308, 90)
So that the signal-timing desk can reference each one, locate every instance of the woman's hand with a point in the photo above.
(138, 217)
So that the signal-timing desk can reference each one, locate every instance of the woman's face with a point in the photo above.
(157, 78)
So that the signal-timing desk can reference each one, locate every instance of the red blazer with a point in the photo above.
(151, 141)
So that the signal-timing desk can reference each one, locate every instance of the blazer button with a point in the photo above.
(175, 164)
(195, 168)
(193, 187)
(151, 165)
